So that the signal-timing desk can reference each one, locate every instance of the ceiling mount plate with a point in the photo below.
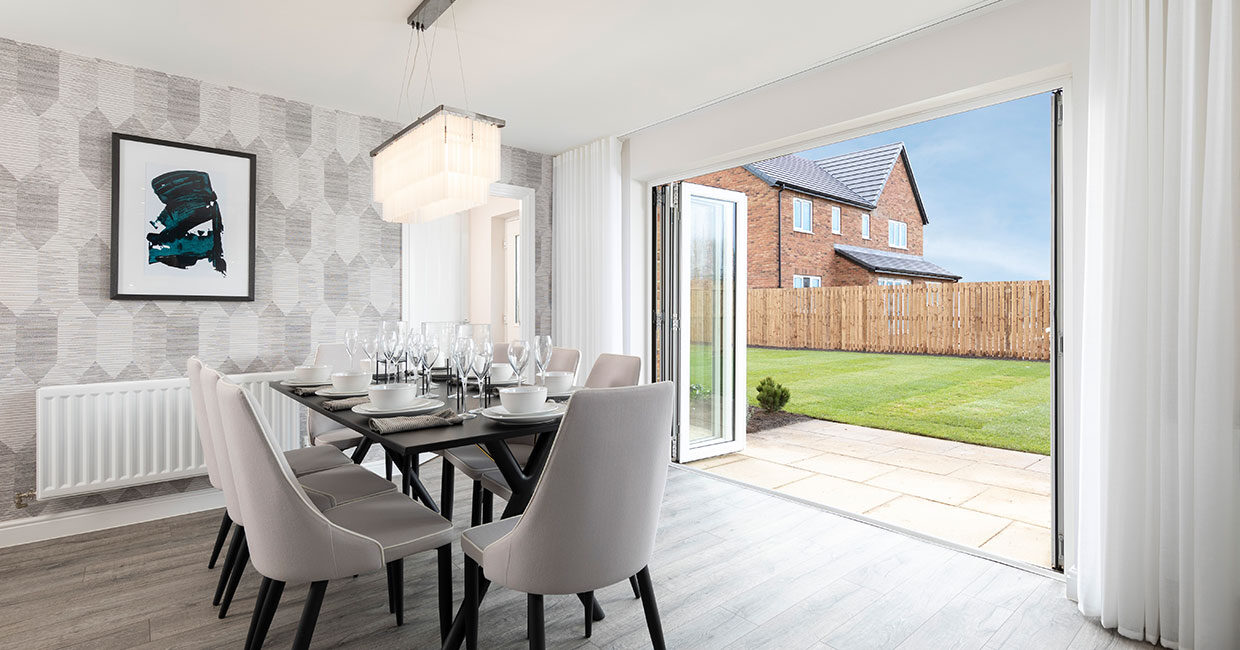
(427, 13)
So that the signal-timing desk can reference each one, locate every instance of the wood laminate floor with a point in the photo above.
(734, 567)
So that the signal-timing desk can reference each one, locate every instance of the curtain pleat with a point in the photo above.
(1159, 529)
(587, 271)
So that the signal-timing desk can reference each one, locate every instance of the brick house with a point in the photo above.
(848, 220)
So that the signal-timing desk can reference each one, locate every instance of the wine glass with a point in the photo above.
(352, 345)
(518, 357)
(430, 354)
(484, 353)
(370, 348)
(413, 350)
(392, 343)
(542, 354)
(463, 360)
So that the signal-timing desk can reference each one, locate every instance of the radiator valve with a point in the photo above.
(19, 499)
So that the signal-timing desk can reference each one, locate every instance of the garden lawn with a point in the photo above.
(997, 403)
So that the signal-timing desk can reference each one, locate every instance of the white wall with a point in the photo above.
(1009, 50)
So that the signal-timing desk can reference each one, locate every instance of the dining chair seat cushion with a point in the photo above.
(473, 462)
(344, 484)
(308, 460)
(339, 438)
(475, 540)
(495, 483)
(399, 524)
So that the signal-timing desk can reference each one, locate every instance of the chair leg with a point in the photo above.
(651, 609)
(475, 514)
(268, 606)
(234, 547)
(263, 588)
(397, 581)
(447, 489)
(470, 604)
(225, 525)
(445, 590)
(309, 615)
(637, 593)
(587, 600)
(534, 610)
(391, 582)
(243, 558)
(488, 507)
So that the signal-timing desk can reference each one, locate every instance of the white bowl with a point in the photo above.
(501, 372)
(350, 382)
(392, 396)
(313, 373)
(558, 381)
(523, 399)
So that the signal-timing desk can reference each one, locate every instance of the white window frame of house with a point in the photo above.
(893, 282)
(835, 219)
(806, 281)
(865, 225)
(805, 222)
(897, 234)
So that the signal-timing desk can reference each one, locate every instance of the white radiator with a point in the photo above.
(97, 437)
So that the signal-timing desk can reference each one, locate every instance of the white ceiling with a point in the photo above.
(561, 72)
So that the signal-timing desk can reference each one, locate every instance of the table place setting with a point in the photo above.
(524, 405)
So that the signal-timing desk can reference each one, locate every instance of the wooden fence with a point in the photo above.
(1006, 320)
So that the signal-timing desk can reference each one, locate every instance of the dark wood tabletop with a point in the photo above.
(479, 430)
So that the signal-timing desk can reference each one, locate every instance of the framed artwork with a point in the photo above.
(182, 221)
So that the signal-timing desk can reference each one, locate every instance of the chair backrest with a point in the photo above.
(564, 360)
(194, 370)
(592, 519)
(288, 538)
(614, 371)
(209, 378)
(335, 355)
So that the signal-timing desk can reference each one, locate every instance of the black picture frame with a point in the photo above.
(117, 217)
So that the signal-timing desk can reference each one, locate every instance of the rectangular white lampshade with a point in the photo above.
(443, 164)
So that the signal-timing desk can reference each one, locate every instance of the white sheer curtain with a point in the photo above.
(1160, 462)
(587, 266)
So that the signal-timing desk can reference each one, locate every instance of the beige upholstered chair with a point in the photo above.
(592, 519)
(614, 370)
(564, 360)
(290, 540)
(323, 431)
(327, 487)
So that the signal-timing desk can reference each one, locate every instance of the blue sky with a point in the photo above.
(985, 179)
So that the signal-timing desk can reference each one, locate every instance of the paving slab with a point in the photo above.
(853, 469)
(944, 521)
(1008, 477)
(1021, 541)
(924, 461)
(839, 493)
(1028, 507)
(935, 487)
(761, 473)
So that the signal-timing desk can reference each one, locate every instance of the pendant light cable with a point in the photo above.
(460, 61)
(430, 57)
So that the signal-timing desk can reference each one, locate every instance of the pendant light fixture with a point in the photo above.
(445, 161)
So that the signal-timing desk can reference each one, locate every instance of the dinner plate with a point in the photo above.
(473, 381)
(501, 414)
(567, 393)
(416, 407)
(332, 392)
(294, 383)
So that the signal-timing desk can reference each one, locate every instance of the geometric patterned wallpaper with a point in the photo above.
(324, 262)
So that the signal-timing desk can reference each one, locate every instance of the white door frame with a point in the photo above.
(525, 287)
(685, 450)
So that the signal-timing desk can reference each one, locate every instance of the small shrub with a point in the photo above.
(772, 396)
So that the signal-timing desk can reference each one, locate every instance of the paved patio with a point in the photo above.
(994, 499)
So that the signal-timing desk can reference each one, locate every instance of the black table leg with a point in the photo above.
(359, 454)
(411, 485)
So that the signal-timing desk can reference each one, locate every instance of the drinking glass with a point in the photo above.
(370, 348)
(392, 343)
(352, 345)
(518, 357)
(542, 353)
(463, 360)
(484, 354)
(430, 354)
(413, 350)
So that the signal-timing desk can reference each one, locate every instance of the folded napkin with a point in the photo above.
(347, 403)
(443, 418)
(308, 390)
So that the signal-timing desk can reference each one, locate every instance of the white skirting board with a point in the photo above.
(76, 522)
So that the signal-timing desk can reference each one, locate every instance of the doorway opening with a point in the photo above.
(900, 288)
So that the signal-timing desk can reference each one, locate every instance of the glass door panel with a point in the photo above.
(710, 321)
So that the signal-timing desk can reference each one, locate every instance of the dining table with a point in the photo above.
(404, 447)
